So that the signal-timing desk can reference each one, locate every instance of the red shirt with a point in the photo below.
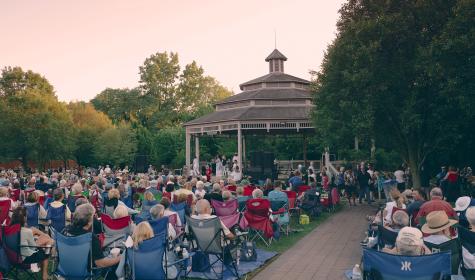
(435, 204)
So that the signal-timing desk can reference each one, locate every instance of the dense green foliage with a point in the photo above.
(399, 72)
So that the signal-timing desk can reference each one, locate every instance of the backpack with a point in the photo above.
(248, 251)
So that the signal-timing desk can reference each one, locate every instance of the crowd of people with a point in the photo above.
(85, 194)
(421, 219)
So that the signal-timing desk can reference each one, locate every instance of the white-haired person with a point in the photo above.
(215, 194)
(157, 212)
(400, 220)
(409, 242)
(200, 191)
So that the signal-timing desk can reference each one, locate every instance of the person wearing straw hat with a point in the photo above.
(438, 226)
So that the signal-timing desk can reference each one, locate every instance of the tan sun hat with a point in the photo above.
(437, 221)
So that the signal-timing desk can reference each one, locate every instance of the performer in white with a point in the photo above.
(219, 167)
(196, 167)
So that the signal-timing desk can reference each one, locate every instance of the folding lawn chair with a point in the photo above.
(15, 194)
(5, 206)
(227, 211)
(32, 214)
(293, 208)
(280, 212)
(57, 217)
(379, 266)
(179, 208)
(452, 246)
(145, 262)
(257, 215)
(467, 241)
(72, 201)
(209, 237)
(73, 256)
(115, 230)
(12, 248)
(160, 226)
(242, 202)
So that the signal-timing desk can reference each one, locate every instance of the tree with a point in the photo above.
(120, 104)
(116, 145)
(377, 82)
(34, 125)
(89, 125)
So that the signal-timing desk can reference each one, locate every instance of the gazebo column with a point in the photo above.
(244, 149)
(197, 148)
(188, 148)
(239, 139)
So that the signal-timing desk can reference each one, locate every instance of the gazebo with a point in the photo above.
(276, 103)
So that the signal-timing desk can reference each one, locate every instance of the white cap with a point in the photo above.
(462, 203)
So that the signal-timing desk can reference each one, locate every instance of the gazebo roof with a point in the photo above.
(269, 94)
(274, 77)
(275, 54)
(254, 113)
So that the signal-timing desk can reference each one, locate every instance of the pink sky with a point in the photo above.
(83, 47)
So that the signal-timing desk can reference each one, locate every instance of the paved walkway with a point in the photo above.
(327, 251)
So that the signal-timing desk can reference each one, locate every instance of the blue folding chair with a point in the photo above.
(179, 208)
(57, 217)
(145, 262)
(48, 200)
(467, 240)
(32, 214)
(160, 226)
(74, 261)
(379, 266)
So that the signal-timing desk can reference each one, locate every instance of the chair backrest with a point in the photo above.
(467, 241)
(146, 206)
(276, 205)
(242, 202)
(72, 201)
(452, 246)
(207, 233)
(302, 189)
(32, 214)
(146, 260)
(386, 236)
(4, 210)
(379, 265)
(74, 255)
(231, 188)
(11, 243)
(225, 208)
(292, 196)
(48, 200)
(258, 207)
(396, 209)
(160, 226)
(115, 229)
(26, 193)
(179, 208)
(57, 216)
(172, 219)
(247, 190)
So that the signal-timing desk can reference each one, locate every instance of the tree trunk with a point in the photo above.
(414, 163)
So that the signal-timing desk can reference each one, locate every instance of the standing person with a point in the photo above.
(451, 178)
(363, 178)
(196, 167)
(350, 186)
(372, 181)
(209, 173)
(401, 182)
(219, 167)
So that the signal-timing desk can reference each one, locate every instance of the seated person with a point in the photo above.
(397, 200)
(226, 195)
(114, 198)
(400, 220)
(157, 212)
(296, 181)
(470, 215)
(409, 242)
(5, 195)
(203, 209)
(186, 190)
(215, 194)
(277, 193)
(58, 197)
(438, 226)
(82, 223)
(461, 206)
(32, 237)
(168, 212)
(31, 200)
(418, 198)
(147, 203)
(200, 191)
(240, 191)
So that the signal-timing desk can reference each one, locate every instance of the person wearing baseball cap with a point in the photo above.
(409, 242)
(438, 226)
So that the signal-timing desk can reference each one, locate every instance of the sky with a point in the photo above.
(84, 47)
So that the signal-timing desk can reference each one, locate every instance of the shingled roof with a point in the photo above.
(268, 94)
(254, 113)
(276, 55)
(274, 77)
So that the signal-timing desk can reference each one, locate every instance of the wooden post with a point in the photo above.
(188, 149)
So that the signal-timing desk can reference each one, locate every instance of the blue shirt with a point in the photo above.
(277, 195)
(296, 181)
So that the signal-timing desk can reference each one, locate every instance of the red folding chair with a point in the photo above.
(5, 206)
(257, 215)
(302, 189)
(27, 193)
(115, 230)
(248, 190)
(231, 188)
(227, 211)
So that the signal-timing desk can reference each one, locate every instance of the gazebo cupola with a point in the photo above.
(276, 61)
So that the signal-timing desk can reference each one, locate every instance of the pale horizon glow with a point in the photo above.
(84, 47)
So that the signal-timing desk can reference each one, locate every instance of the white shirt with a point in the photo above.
(389, 210)
(399, 174)
(437, 239)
